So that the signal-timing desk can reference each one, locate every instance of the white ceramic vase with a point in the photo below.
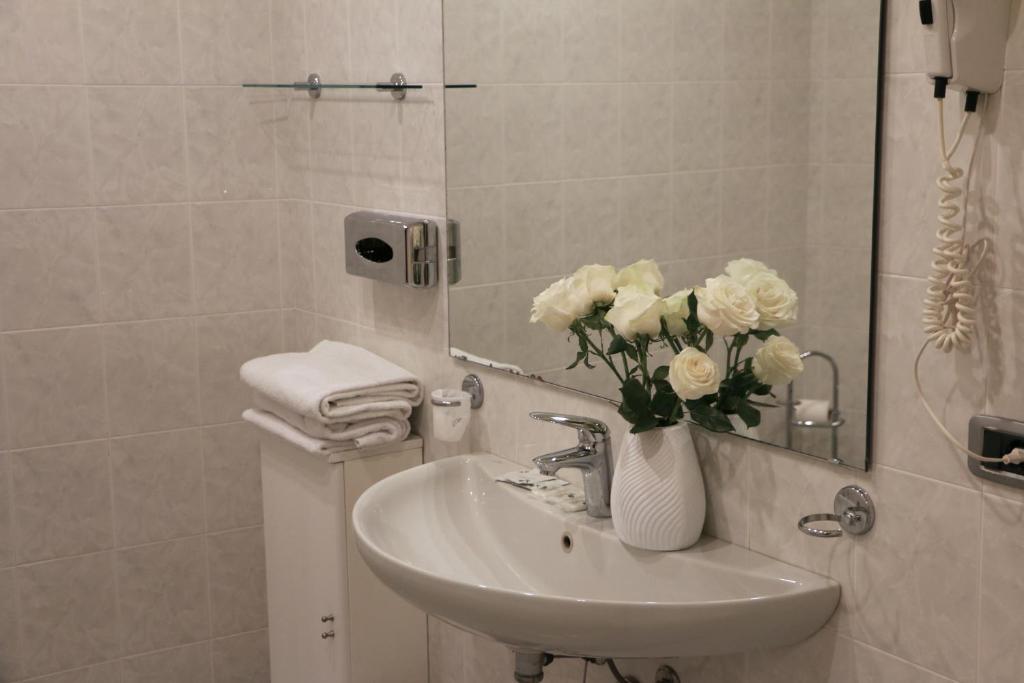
(658, 490)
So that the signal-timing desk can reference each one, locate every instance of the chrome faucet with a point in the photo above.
(593, 455)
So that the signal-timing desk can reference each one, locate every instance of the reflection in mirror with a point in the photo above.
(692, 132)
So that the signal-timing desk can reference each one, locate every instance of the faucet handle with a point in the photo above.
(589, 430)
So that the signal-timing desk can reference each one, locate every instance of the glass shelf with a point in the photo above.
(397, 86)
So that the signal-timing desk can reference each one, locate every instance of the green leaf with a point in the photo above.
(636, 403)
(738, 342)
(594, 321)
(764, 335)
(618, 345)
(660, 374)
(664, 403)
(710, 418)
(579, 357)
(750, 415)
(691, 302)
(645, 424)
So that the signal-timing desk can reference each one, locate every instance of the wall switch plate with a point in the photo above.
(995, 437)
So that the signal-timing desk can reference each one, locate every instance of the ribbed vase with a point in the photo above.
(658, 490)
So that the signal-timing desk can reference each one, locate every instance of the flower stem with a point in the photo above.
(599, 351)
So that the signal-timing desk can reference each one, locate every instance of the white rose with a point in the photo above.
(776, 301)
(560, 304)
(644, 274)
(777, 362)
(677, 310)
(597, 281)
(636, 311)
(693, 374)
(724, 305)
(743, 269)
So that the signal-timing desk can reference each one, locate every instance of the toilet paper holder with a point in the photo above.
(835, 419)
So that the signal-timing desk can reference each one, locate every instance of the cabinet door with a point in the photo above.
(304, 524)
(382, 622)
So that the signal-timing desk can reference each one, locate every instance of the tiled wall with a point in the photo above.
(611, 131)
(139, 265)
(931, 595)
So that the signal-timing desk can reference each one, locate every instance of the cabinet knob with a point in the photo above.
(327, 634)
(329, 617)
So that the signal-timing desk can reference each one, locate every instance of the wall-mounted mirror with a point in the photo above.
(692, 132)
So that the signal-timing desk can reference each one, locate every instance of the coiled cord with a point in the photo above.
(949, 312)
(949, 306)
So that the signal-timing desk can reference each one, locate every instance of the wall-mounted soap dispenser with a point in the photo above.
(402, 250)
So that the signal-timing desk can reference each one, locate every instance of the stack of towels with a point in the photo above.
(335, 397)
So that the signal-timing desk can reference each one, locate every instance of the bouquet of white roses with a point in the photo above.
(617, 317)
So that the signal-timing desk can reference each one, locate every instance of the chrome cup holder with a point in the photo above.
(853, 511)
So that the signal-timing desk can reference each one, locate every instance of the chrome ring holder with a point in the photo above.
(853, 510)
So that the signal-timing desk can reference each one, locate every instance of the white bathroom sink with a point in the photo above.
(491, 558)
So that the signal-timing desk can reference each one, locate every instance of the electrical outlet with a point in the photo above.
(995, 437)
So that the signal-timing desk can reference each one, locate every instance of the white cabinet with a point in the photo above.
(315, 573)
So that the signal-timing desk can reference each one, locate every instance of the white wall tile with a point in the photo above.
(917, 574)
(373, 40)
(237, 581)
(48, 271)
(1002, 589)
(54, 386)
(151, 377)
(45, 146)
(746, 44)
(235, 256)
(290, 40)
(189, 664)
(162, 598)
(62, 503)
(231, 462)
(68, 614)
(647, 39)
(145, 261)
(243, 658)
(591, 38)
(9, 626)
(131, 41)
(531, 42)
(646, 125)
(592, 220)
(295, 223)
(699, 29)
(534, 141)
(592, 131)
(475, 145)
(157, 487)
(230, 143)
(534, 215)
(225, 342)
(696, 126)
(40, 42)
(138, 145)
(226, 41)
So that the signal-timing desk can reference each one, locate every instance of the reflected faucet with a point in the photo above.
(592, 455)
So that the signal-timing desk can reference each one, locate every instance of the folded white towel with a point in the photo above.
(374, 416)
(383, 431)
(331, 382)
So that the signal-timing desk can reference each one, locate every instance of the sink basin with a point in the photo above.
(498, 561)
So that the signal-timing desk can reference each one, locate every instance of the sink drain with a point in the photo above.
(567, 542)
